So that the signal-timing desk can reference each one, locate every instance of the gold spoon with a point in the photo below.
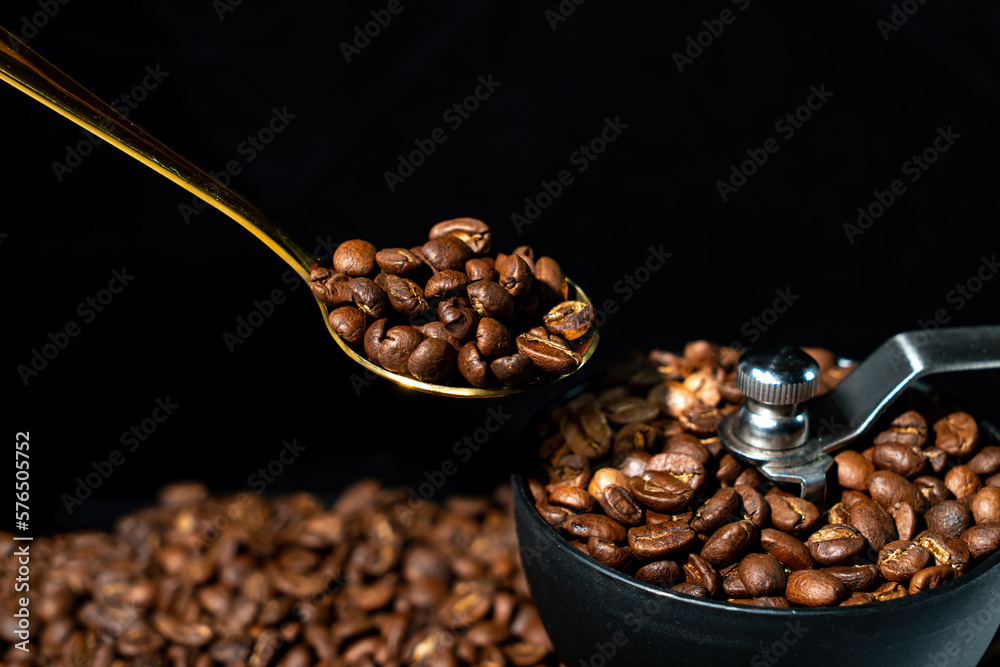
(34, 76)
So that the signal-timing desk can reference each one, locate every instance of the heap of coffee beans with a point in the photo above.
(375, 579)
(447, 312)
(634, 476)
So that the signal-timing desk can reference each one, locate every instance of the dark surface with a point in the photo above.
(323, 177)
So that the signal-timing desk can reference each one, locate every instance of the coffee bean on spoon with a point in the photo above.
(374, 337)
(472, 366)
(369, 297)
(549, 355)
(474, 233)
(437, 329)
(551, 280)
(446, 252)
(405, 296)
(398, 261)
(493, 338)
(355, 258)
(491, 300)
(570, 319)
(349, 323)
(399, 343)
(328, 285)
(432, 360)
(514, 274)
(480, 269)
(459, 317)
(513, 370)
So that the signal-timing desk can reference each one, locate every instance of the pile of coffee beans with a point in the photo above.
(634, 475)
(447, 312)
(374, 579)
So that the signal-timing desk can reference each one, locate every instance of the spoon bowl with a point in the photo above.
(28, 72)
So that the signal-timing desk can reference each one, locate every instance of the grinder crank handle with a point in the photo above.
(789, 434)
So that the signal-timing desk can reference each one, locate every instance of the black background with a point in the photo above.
(323, 177)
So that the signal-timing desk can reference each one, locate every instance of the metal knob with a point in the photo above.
(778, 375)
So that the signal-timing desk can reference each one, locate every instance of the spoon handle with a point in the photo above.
(34, 76)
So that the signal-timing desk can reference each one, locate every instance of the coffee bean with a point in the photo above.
(874, 522)
(986, 462)
(722, 508)
(661, 541)
(400, 342)
(349, 323)
(447, 283)
(664, 573)
(474, 233)
(608, 553)
(374, 337)
(981, 539)
(432, 360)
(405, 296)
(729, 543)
(681, 466)
(858, 598)
(835, 544)
(570, 319)
(962, 482)
(891, 590)
(813, 588)
(355, 258)
(792, 514)
(692, 589)
(908, 429)
(946, 550)
(755, 508)
(553, 514)
(398, 261)
(369, 297)
(513, 370)
(514, 274)
(437, 329)
(572, 497)
(899, 560)
(949, 517)
(446, 252)
(480, 269)
(459, 318)
(328, 285)
(762, 575)
(863, 577)
(619, 504)
(699, 571)
(552, 280)
(547, 354)
(493, 338)
(889, 488)
(906, 519)
(957, 434)
(732, 586)
(898, 458)
(936, 459)
(660, 491)
(931, 577)
(787, 549)
(932, 489)
(685, 443)
(985, 505)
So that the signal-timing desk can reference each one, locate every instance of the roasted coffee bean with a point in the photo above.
(898, 458)
(732, 586)
(547, 354)
(399, 344)
(932, 489)
(374, 337)
(888, 488)
(480, 269)
(437, 329)
(936, 459)
(369, 297)
(446, 283)
(685, 443)
(446, 252)
(755, 508)
(681, 466)
(957, 434)
(982, 539)
(729, 543)
(946, 551)
(931, 577)
(949, 518)
(551, 280)
(874, 522)
(619, 504)
(661, 491)
(493, 338)
(792, 514)
(762, 575)
(986, 462)
(513, 370)
(700, 419)
(405, 296)
(962, 482)
(835, 544)
(586, 526)
(596, 427)
(787, 549)
(328, 285)
(432, 360)
(398, 261)
(355, 258)
(572, 497)
(607, 552)
(692, 589)
(699, 571)
(554, 515)
(900, 560)
(474, 233)
(458, 317)
(813, 588)
(349, 323)
(570, 319)
(514, 274)
(908, 429)
(906, 519)
(630, 409)
(722, 508)
(664, 573)
(491, 300)
(857, 599)
(661, 541)
(634, 465)
(985, 505)
(864, 577)
(890, 591)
